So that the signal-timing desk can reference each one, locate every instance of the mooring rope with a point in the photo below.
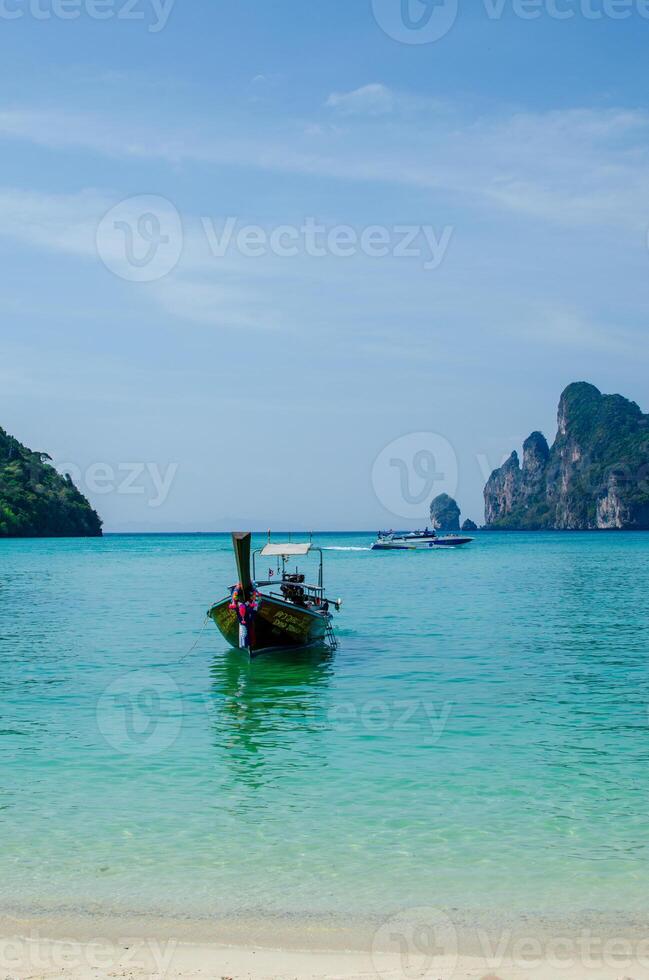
(196, 641)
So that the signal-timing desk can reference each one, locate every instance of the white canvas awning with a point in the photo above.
(287, 550)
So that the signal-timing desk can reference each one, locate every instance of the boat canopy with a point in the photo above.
(287, 550)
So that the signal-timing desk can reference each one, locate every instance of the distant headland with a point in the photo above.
(36, 501)
(595, 476)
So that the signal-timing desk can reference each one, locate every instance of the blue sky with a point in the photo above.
(259, 385)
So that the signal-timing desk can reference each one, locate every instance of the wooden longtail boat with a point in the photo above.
(285, 612)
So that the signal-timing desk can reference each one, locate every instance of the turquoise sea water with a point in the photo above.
(479, 740)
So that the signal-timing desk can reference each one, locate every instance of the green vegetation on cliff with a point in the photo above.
(595, 476)
(36, 501)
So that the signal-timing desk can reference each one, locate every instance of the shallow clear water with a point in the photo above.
(480, 739)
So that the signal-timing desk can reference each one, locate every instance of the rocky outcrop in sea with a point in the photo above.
(445, 513)
(595, 475)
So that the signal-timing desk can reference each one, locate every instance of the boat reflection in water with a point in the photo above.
(262, 710)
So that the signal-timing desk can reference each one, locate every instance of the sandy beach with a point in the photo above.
(38, 947)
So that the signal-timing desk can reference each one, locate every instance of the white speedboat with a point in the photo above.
(417, 540)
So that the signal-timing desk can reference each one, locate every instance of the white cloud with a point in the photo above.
(583, 170)
(62, 223)
(370, 100)
(575, 167)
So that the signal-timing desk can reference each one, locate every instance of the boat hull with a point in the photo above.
(452, 542)
(277, 625)
(420, 544)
